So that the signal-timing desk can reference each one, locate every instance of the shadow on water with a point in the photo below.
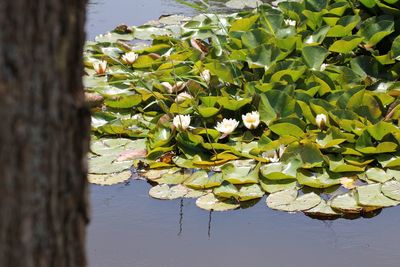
(129, 229)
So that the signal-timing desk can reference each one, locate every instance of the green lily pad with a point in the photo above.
(323, 211)
(249, 192)
(272, 186)
(371, 195)
(226, 190)
(377, 175)
(167, 193)
(317, 178)
(210, 202)
(388, 160)
(391, 189)
(346, 203)
(202, 180)
(109, 179)
(279, 171)
(288, 200)
(107, 164)
(236, 174)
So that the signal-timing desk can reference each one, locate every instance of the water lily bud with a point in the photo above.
(206, 76)
(227, 126)
(130, 57)
(181, 122)
(182, 97)
(321, 120)
(177, 87)
(251, 120)
(100, 67)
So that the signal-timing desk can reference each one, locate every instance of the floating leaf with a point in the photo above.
(166, 192)
(317, 178)
(272, 186)
(391, 189)
(371, 195)
(377, 175)
(202, 180)
(288, 200)
(210, 202)
(109, 179)
(346, 203)
(323, 211)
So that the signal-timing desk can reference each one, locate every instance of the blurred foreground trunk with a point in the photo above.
(44, 135)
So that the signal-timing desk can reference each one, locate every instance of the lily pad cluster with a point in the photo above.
(298, 101)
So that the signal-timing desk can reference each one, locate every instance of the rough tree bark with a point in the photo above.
(44, 135)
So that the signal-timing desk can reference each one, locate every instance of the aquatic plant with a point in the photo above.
(298, 101)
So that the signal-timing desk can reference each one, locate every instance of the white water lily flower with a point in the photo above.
(227, 126)
(130, 57)
(290, 22)
(100, 66)
(177, 87)
(275, 154)
(206, 76)
(320, 119)
(251, 120)
(271, 155)
(181, 122)
(182, 97)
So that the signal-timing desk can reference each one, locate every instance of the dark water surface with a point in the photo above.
(129, 229)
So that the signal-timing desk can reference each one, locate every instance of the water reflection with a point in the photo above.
(128, 228)
(180, 217)
(104, 15)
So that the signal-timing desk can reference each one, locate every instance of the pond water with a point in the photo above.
(130, 229)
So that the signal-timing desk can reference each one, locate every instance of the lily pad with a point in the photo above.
(210, 202)
(371, 195)
(202, 180)
(323, 211)
(109, 179)
(288, 200)
(346, 203)
(167, 193)
(391, 189)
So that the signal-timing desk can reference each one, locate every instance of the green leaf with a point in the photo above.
(123, 101)
(167, 193)
(239, 173)
(346, 203)
(374, 29)
(109, 179)
(346, 44)
(267, 112)
(317, 178)
(371, 195)
(381, 129)
(391, 189)
(202, 180)
(377, 175)
(244, 24)
(210, 202)
(286, 129)
(288, 200)
(314, 56)
(279, 171)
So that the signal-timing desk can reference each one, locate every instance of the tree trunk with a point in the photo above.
(44, 135)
